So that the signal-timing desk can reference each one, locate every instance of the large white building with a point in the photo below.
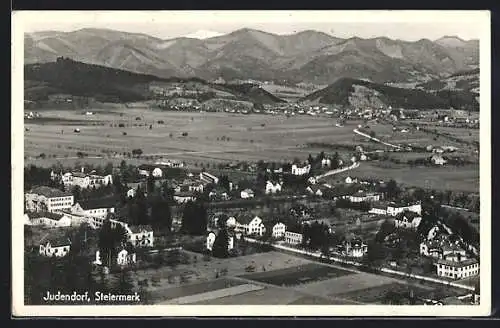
(147, 169)
(394, 209)
(95, 207)
(293, 238)
(84, 180)
(457, 269)
(49, 219)
(46, 199)
(362, 196)
(208, 178)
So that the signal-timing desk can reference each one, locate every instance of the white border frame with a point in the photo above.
(20, 18)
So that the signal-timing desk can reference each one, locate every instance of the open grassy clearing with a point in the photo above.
(346, 283)
(297, 275)
(462, 178)
(376, 294)
(209, 134)
(223, 138)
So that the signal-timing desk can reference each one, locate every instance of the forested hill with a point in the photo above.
(66, 76)
(354, 92)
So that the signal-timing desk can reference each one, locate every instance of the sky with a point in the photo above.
(404, 25)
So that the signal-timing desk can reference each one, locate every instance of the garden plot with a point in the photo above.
(297, 275)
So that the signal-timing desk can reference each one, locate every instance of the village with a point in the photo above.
(131, 214)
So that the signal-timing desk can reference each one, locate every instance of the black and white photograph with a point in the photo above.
(277, 162)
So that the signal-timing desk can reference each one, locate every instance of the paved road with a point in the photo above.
(374, 139)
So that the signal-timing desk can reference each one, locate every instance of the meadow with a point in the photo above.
(213, 137)
(195, 137)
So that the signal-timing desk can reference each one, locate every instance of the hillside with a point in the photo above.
(466, 81)
(105, 84)
(307, 56)
(359, 93)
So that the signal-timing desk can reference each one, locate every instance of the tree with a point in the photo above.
(221, 243)
(108, 169)
(194, 219)
(161, 216)
(109, 240)
(224, 182)
(137, 152)
(77, 193)
(392, 190)
(150, 184)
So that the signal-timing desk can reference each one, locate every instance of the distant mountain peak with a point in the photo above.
(203, 34)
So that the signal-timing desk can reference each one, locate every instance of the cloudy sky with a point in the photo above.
(402, 25)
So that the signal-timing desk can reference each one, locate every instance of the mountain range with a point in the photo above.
(307, 56)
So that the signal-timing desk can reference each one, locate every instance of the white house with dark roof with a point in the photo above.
(147, 169)
(278, 230)
(46, 199)
(250, 225)
(394, 209)
(140, 236)
(82, 179)
(272, 187)
(362, 196)
(293, 238)
(56, 246)
(408, 220)
(95, 207)
(457, 269)
(49, 219)
(300, 170)
(353, 247)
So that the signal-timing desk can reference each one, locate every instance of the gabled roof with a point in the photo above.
(58, 241)
(456, 263)
(408, 214)
(148, 167)
(140, 228)
(49, 192)
(245, 218)
(106, 202)
(48, 215)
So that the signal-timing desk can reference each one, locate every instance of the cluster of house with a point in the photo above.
(252, 225)
(82, 179)
(31, 115)
(157, 170)
(51, 207)
(449, 254)
(393, 209)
